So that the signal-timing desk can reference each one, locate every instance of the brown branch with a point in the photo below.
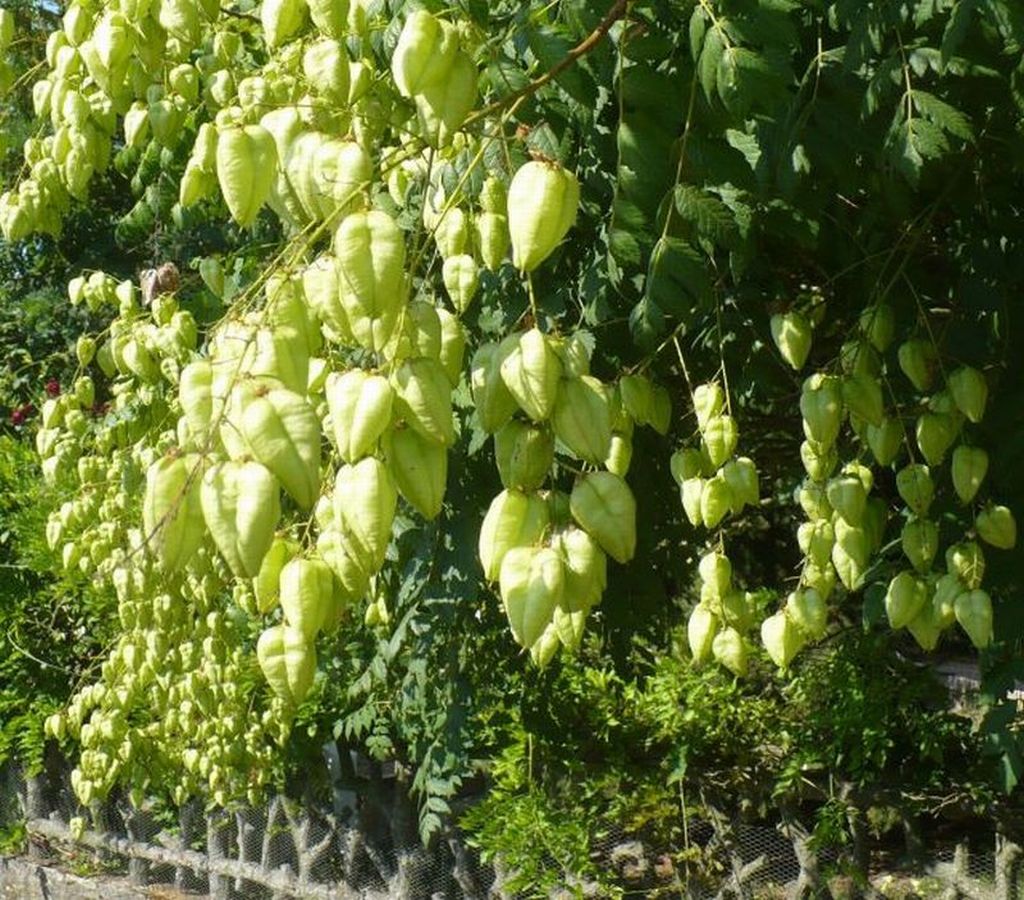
(617, 11)
(238, 14)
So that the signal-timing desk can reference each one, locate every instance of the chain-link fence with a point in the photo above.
(287, 849)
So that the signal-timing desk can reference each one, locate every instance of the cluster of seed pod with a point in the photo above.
(847, 526)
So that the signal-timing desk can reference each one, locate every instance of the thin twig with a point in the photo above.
(617, 11)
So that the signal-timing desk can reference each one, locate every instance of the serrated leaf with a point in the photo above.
(438, 805)
(913, 141)
(544, 141)
(710, 56)
(956, 29)
(505, 77)
(677, 278)
(646, 323)
(551, 48)
(1008, 17)
(709, 216)
(698, 28)
(748, 79)
(747, 144)
(887, 78)
(946, 117)
(430, 824)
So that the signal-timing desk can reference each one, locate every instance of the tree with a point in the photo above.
(705, 203)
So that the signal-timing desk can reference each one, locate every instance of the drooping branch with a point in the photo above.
(617, 11)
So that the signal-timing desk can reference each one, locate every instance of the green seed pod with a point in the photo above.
(716, 501)
(815, 540)
(819, 462)
(492, 238)
(371, 257)
(813, 501)
(360, 405)
(307, 595)
(967, 562)
(884, 440)
(441, 108)
(915, 487)
(920, 542)
(246, 162)
(846, 495)
(970, 466)
(716, 572)
(730, 650)
(532, 373)
(461, 279)
(781, 638)
(970, 392)
(691, 491)
(424, 54)
(919, 362)
(288, 662)
(821, 406)
(808, 612)
(493, 400)
(281, 430)
(582, 418)
(701, 629)
(282, 19)
(531, 582)
(997, 526)
(851, 553)
(603, 505)
(514, 519)
(241, 507)
(267, 584)
(172, 518)
(708, 402)
(792, 335)
(720, 438)
(419, 467)
(974, 613)
(879, 325)
(543, 199)
(905, 598)
(862, 396)
(935, 434)
(423, 399)
(947, 589)
(524, 453)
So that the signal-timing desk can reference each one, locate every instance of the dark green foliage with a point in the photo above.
(590, 755)
(53, 627)
(738, 158)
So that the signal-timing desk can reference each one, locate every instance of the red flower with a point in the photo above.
(19, 415)
(53, 387)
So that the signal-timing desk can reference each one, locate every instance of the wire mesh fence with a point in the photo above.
(290, 849)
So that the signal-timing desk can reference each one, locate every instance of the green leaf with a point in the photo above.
(747, 80)
(544, 141)
(646, 323)
(747, 144)
(956, 29)
(1008, 17)
(710, 56)
(943, 115)
(551, 48)
(677, 278)
(911, 142)
(698, 28)
(709, 216)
